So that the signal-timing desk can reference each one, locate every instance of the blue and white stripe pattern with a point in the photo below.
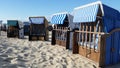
(86, 14)
(37, 20)
(58, 18)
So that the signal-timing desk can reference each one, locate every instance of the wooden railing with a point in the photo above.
(61, 33)
(92, 45)
(61, 36)
(86, 39)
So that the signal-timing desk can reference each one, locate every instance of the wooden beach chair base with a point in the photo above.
(35, 38)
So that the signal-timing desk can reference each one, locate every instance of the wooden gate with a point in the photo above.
(60, 36)
(90, 48)
(98, 46)
(89, 41)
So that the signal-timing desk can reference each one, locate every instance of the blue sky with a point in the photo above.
(22, 9)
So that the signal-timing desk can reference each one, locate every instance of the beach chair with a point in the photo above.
(98, 38)
(38, 28)
(61, 29)
(15, 29)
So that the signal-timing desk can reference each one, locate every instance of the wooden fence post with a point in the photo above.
(67, 40)
(102, 50)
(75, 46)
(53, 38)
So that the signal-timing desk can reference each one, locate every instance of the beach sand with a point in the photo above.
(21, 53)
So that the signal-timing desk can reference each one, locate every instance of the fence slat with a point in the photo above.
(99, 38)
(90, 32)
(82, 36)
(94, 36)
(86, 35)
(89, 45)
(75, 46)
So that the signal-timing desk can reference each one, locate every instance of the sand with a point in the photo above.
(21, 53)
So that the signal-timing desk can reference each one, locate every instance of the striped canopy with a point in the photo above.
(58, 18)
(87, 13)
(36, 20)
(12, 22)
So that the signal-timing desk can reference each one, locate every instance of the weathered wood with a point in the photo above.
(82, 34)
(39, 29)
(75, 46)
(86, 34)
(88, 48)
(62, 36)
(82, 50)
(90, 32)
(53, 42)
(101, 55)
(89, 37)
(68, 40)
(58, 42)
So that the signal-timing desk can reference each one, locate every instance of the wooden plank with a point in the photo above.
(94, 54)
(57, 41)
(63, 35)
(41, 38)
(86, 33)
(53, 42)
(63, 43)
(82, 49)
(68, 40)
(62, 30)
(91, 32)
(34, 38)
(99, 27)
(75, 46)
(99, 44)
(101, 55)
(88, 49)
(79, 34)
(94, 35)
(82, 34)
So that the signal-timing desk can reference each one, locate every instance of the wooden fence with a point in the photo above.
(87, 41)
(60, 36)
(92, 45)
